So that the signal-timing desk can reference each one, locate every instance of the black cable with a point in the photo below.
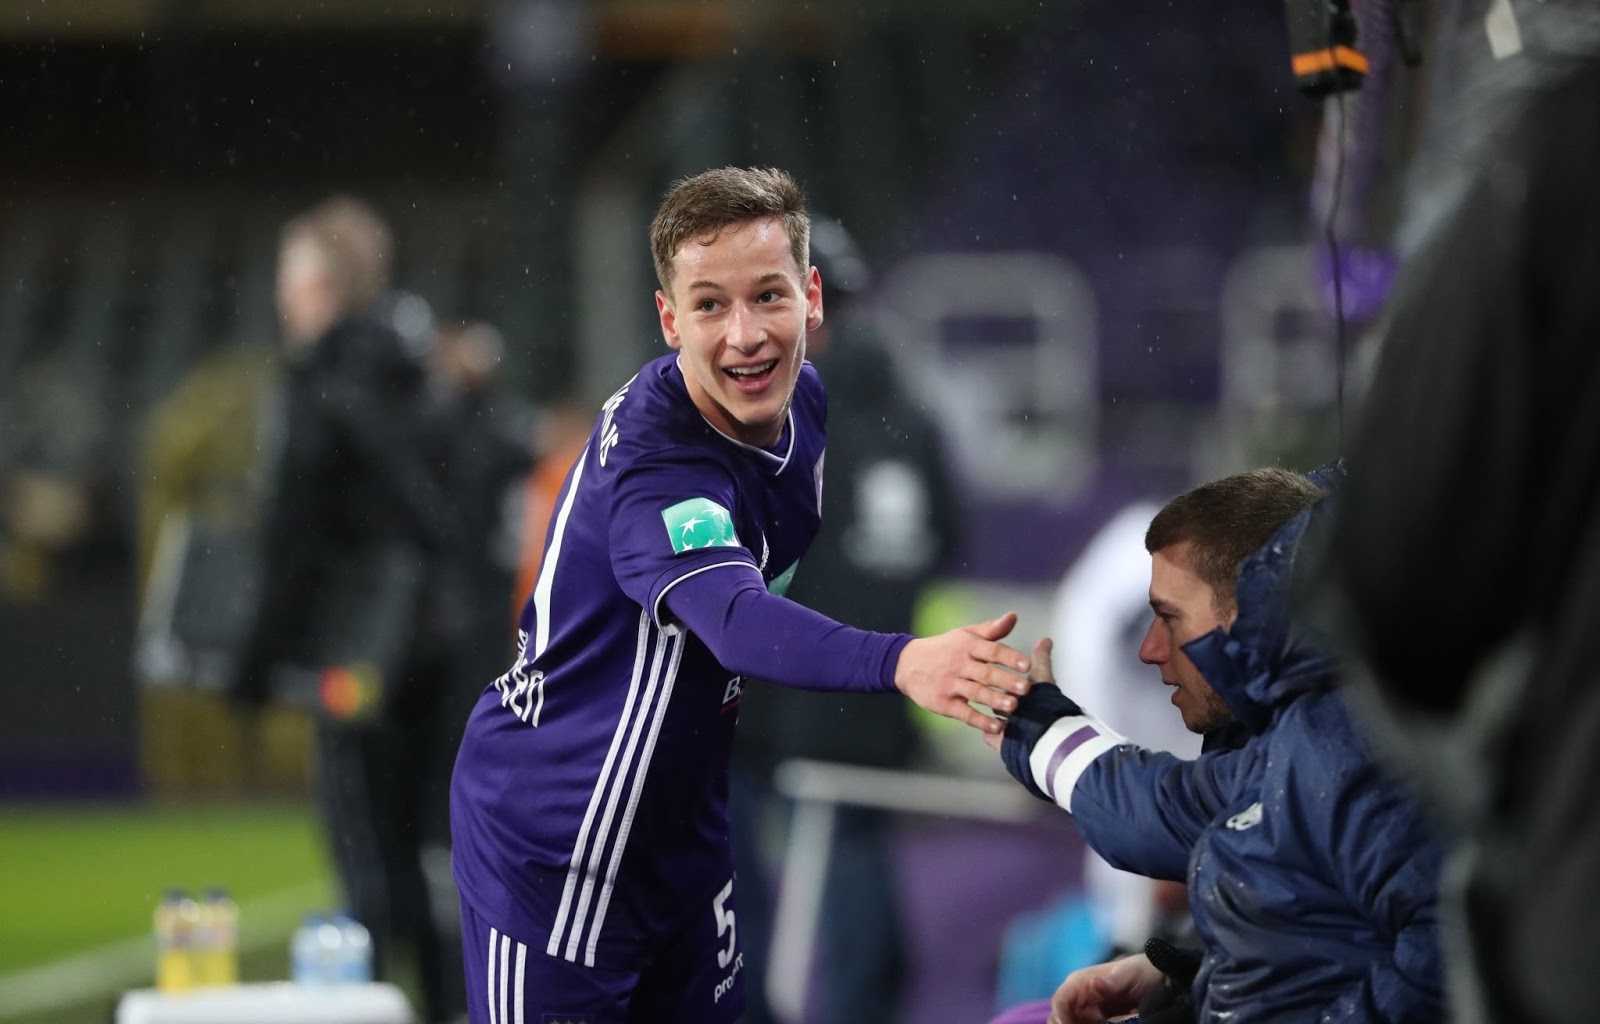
(1329, 230)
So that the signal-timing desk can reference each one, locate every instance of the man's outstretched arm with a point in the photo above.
(753, 632)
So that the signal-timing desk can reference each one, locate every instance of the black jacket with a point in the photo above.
(358, 523)
(1471, 522)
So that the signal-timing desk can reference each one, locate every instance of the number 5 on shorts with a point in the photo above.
(725, 924)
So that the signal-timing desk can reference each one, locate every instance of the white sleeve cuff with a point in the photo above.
(1065, 750)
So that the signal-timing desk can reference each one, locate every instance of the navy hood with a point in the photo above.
(1267, 659)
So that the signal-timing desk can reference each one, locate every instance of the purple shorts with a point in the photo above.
(695, 978)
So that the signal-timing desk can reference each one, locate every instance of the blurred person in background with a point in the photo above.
(1313, 875)
(890, 523)
(493, 442)
(1463, 563)
(589, 802)
(361, 562)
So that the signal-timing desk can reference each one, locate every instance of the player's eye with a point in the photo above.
(706, 305)
(768, 296)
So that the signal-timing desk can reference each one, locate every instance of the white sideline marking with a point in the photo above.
(110, 969)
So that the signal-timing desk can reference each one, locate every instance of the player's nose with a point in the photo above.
(745, 331)
(1152, 651)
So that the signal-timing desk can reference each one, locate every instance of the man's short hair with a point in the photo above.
(702, 205)
(356, 243)
(1228, 519)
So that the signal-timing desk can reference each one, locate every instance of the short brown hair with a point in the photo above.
(1228, 519)
(706, 203)
(355, 241)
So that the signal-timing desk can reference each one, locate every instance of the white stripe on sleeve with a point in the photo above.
(1065, 750)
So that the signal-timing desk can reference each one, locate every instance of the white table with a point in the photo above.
(277, 1002)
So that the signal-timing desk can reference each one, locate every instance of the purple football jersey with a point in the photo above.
(588, 805)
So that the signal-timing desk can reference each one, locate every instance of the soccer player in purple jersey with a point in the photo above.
(588, 806)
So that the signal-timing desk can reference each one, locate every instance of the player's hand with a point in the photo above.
(1041, 671)
(942, 673)
(1091, 995)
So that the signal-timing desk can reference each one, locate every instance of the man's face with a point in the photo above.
(738, 316)
(307, 305)
(1185, 608)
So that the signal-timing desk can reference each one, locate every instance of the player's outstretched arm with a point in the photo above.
(942, 673)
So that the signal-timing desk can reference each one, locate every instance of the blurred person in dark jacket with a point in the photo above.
(492, 448)
(890, 523)
(361, 549)
(1463, 565)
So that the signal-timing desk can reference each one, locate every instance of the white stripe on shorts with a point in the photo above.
(501, 990)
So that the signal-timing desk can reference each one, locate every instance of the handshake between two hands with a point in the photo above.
(960, 673)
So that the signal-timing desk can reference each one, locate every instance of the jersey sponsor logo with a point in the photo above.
(699, 523)
(726, 984)
(1248, 818)
(609, 435)
(732, 692)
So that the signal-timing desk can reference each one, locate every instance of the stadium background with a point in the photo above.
(1093, 237)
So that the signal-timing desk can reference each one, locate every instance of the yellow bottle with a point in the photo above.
(217, 955)
(176, 921)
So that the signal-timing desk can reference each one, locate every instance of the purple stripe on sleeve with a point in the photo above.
(1067, 746)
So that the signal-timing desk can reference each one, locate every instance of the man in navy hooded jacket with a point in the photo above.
(1312, 876)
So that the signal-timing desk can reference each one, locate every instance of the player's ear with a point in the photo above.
(813, 299)
(669, 320)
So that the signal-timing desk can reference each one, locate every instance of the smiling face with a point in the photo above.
(1185, 609)
(738, 315)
